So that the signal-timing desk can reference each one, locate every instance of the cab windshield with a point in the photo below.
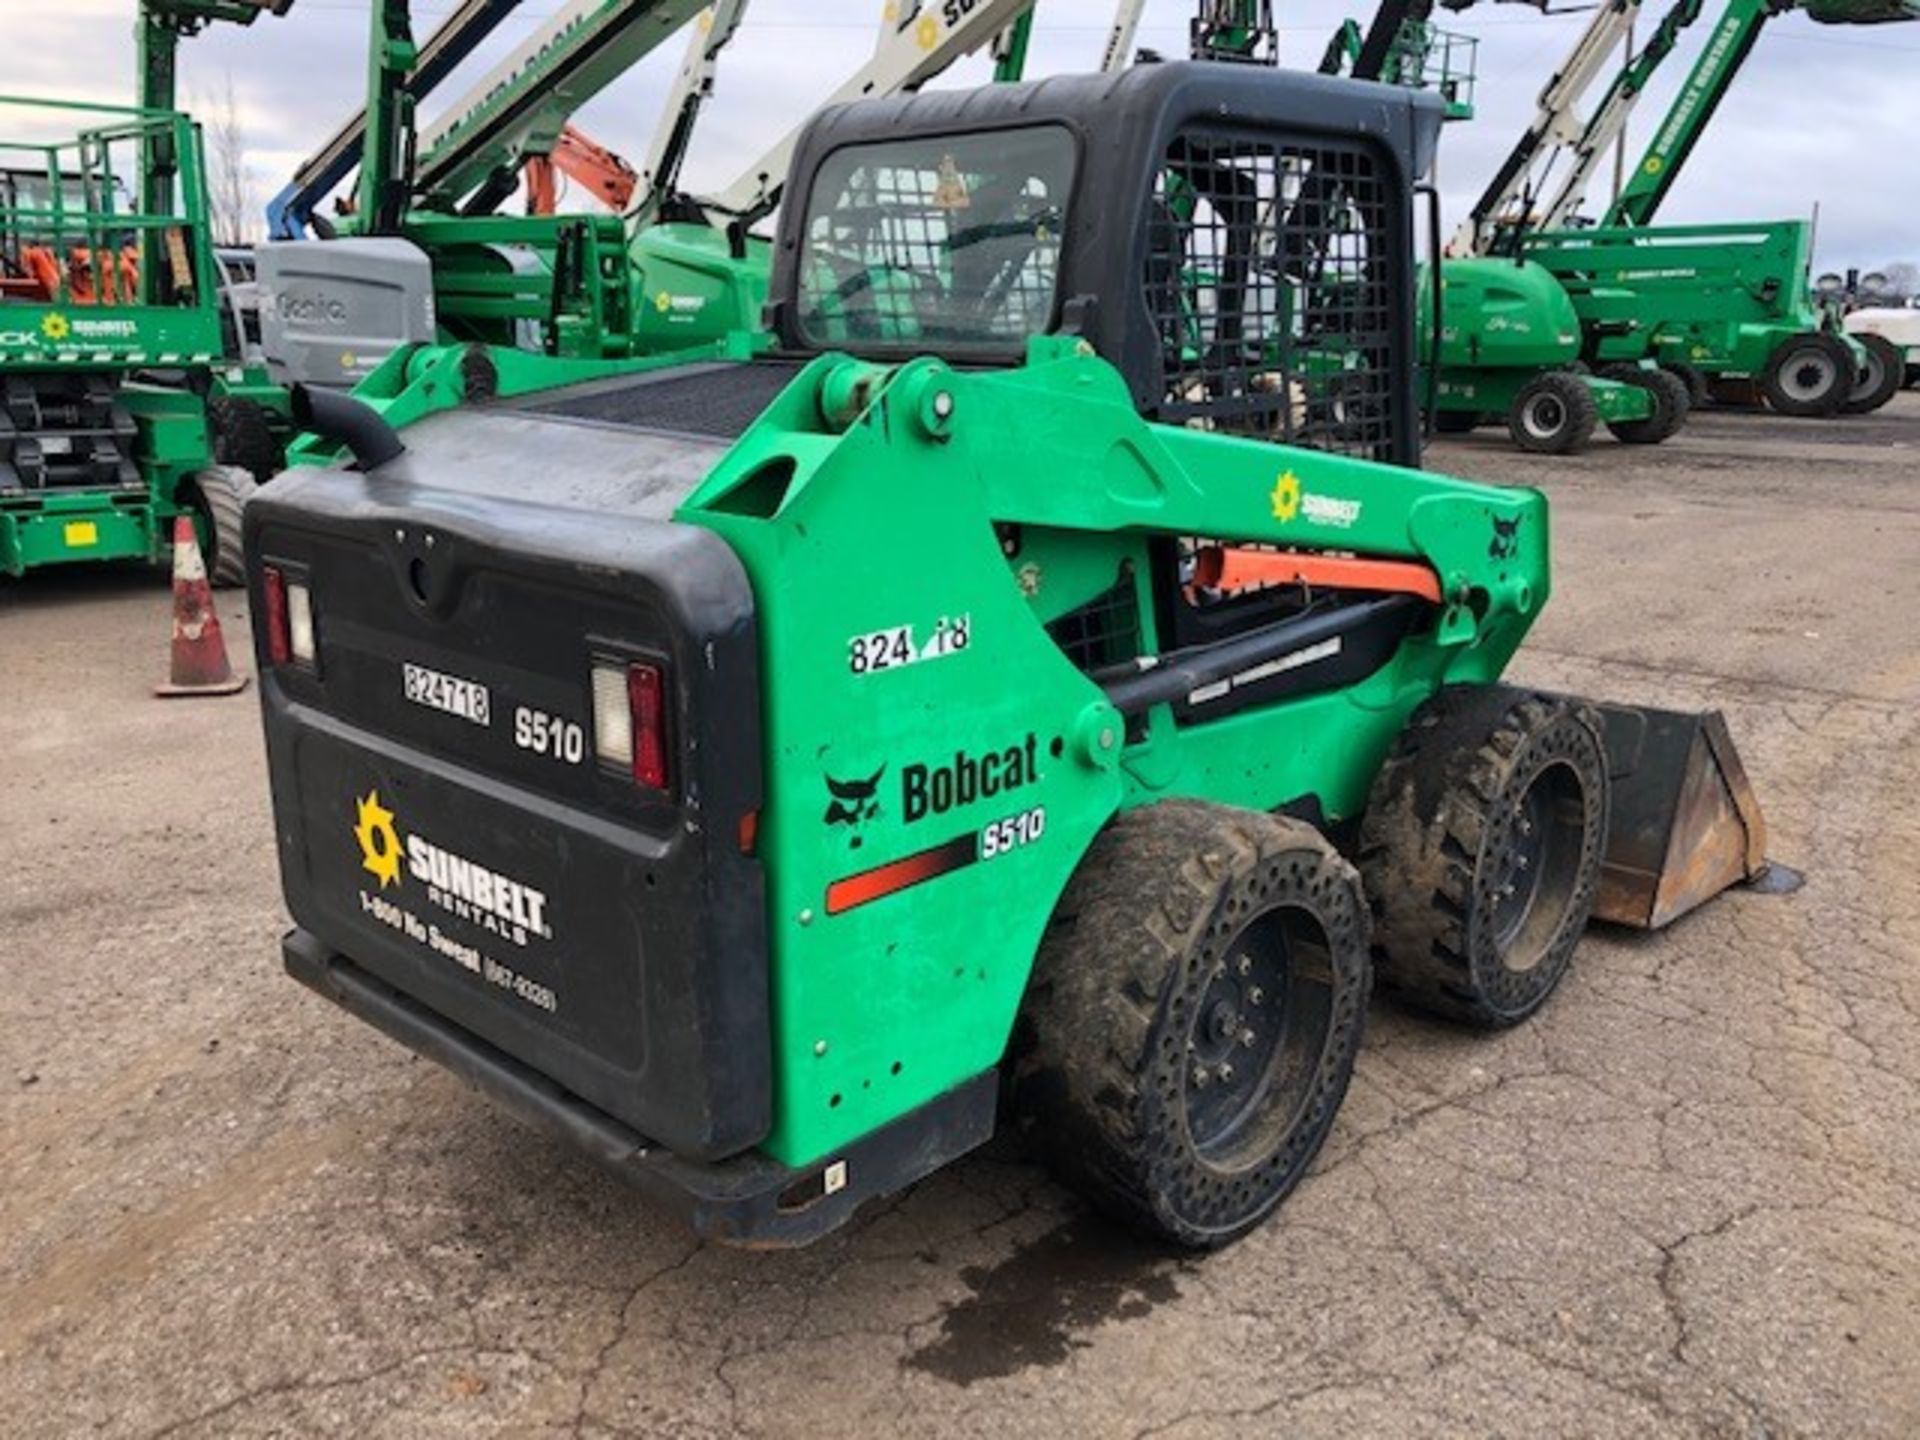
(946, 241)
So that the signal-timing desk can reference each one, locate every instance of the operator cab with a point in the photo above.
(1238, 244)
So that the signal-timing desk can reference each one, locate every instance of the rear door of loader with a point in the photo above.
(457, 817)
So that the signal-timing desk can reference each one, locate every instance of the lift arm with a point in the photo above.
(587, 163)
(1713, 75)
(291, 211)
(1609, 120)
(469, 160)
(919, 45)
(1126, 26)
(1555, 124)
(692, 88)
(163, 24)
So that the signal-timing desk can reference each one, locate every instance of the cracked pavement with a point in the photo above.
(1684, 1201)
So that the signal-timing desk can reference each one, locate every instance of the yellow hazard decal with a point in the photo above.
(82, 533)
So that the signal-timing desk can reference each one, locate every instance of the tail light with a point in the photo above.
(289, 617)
(630, 720)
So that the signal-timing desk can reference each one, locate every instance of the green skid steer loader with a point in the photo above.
(1039, 682)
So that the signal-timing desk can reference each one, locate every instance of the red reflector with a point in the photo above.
(273, 586)
(647, 699)
(749, 832)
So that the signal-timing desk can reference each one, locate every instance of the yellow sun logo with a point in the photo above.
(1286, 497)
(927, 32)
(379, 841)
(1655, 165)
(663, 302)
(56, 326)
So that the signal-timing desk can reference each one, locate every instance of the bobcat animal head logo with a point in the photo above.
(1506, 538)
(853, 803)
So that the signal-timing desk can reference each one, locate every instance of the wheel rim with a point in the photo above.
(1257, 1035)
(1544, 416)
(1533, 863)
(1809, 375)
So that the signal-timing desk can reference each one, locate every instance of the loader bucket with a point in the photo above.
(1685, 821)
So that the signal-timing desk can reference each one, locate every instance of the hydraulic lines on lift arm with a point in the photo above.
(692, 88)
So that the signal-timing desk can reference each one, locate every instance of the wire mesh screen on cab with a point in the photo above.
(1271, 271)
(950, 240)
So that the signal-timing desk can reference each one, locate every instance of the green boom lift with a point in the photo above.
(120, 410)
(1726, 307)
(754, 770)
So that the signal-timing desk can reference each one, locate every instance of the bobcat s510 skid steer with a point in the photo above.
(1041, 684)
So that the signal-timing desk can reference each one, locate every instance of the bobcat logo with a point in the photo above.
(1506, 538)
(853, 803)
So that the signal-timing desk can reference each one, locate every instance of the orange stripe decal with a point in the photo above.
(898, 875)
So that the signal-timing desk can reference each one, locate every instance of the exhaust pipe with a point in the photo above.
(349, 422)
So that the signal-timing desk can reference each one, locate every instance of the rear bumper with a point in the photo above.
(748, 1200)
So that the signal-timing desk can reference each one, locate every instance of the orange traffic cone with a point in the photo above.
(199, 654)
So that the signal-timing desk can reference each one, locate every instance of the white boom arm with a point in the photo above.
(1126, 25)
(1556, 124)
(692, 87)
(917, 47)
(520, 106)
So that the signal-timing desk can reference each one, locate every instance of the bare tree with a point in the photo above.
(1903, 278)
(230, 195)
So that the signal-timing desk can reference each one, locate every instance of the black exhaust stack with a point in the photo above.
(349, 422)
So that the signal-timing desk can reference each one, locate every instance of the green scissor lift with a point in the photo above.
(110, 343)
(120, 409)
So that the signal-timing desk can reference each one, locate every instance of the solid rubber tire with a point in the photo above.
(1699, 391)
(1101, 1054)
(243, 436)
(1443, 805)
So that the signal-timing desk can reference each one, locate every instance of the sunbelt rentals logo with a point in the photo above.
(466, 889)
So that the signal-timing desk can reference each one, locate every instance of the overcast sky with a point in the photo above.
(1822, 116)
